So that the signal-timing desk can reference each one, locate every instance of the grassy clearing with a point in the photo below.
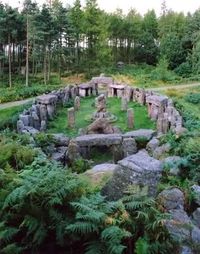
(59, 124)
(10, 116)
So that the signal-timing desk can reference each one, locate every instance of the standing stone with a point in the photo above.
(71, 117)
(43, 112)
(129, 146)
(36, 121)
(130, 118)
(50, 111)
(77, 103)
(73, 151)
(20, 126)
(124, 104)
(43, 125)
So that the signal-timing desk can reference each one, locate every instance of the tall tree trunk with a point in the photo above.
(49, 63)
(45, 65)
(60, 54)
(9, 62)
(27, 50)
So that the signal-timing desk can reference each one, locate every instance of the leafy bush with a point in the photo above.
(47, 208)
(161, 72)
(193, 98)
(44, 141)
(15, 155)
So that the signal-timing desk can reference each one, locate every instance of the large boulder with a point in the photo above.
(171, 199)
(146, 134)
(60, 154)
(100, 174)
(129, 146)
(196, 190)
(60, 139)
(152, 145)
(138, 169)
(179, 225)
(101, 126)
(161, 151)
(99, 140)
(196, 217)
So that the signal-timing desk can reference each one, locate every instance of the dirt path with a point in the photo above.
(22, 102)
(15, 103)
(183, 86)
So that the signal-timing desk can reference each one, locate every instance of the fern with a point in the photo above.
(141, 246)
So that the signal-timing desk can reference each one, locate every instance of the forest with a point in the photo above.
(62, 39)
(56, 196)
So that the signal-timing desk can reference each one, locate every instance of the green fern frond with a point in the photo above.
(83, 228)
(7, 233)
(12, 249)
(95, 247)
(142, 246)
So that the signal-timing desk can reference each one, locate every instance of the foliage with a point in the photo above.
(44, 141)
(39, 201)
(15, 155)
(10, 116)
(80, 166)
(193, 98)
(161, 71)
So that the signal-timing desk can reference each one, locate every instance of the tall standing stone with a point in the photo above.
(124, 104)
(71, 117)
(130, 118)
(77, 103)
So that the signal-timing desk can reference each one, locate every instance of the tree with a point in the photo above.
(76, 18)
(28, 9)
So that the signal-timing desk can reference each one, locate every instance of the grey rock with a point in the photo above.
(179, 225)
(30, 130)
(196, 235)
(73, 152)
(152, 145)
(43, 112)
(138, 169)
(104, 167)
(139, 134)
(196, 190)
(160, 151)
(36, 120)
(196, 217)
(129, 146)
(186, 250)
(46, 99)
(99, 140)
(24, 119)
(20, 126)
(43, 125)
(60, 154)
(60, 139)
(171, 199)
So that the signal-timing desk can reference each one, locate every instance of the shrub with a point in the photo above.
(15, 155)
(193, 98)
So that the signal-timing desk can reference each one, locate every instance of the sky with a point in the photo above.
(141, 6)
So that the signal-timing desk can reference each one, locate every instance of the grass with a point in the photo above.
(59, 124)
(143, 75)
(10, 116)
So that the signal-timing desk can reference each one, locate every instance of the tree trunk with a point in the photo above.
(9, 62)
(27, 51)
(45, 65)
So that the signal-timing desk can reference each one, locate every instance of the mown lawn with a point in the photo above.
(59, 124)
